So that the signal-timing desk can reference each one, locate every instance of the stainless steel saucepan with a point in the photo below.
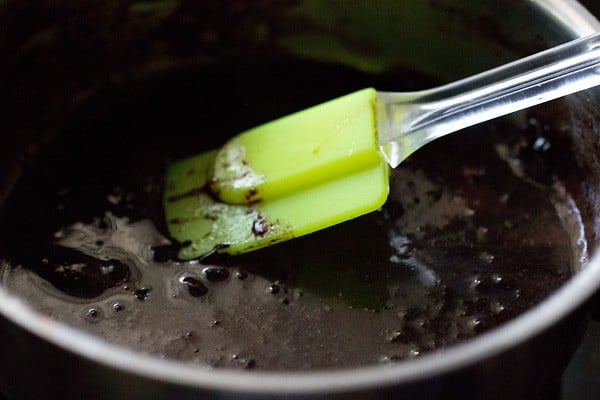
(56, 54)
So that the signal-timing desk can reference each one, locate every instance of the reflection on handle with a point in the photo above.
(411, 120)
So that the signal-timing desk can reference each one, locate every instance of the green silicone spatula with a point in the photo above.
(330, 163)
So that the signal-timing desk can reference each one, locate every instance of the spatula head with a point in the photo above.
(284, 179)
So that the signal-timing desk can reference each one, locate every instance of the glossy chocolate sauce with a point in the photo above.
(477, 229)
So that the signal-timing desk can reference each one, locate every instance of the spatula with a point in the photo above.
(330, 163)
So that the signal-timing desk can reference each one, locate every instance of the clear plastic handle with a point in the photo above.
(408, 121)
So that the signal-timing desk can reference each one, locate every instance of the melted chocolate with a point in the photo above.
(473, 234)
